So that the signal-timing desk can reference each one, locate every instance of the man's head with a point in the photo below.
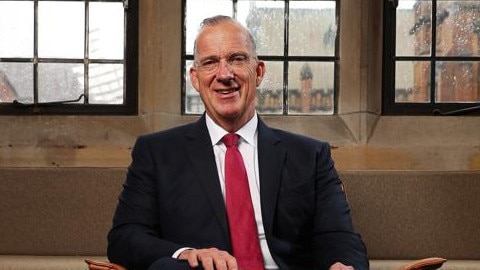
(226, 71)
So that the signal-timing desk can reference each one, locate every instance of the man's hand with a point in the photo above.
(340, 266)
(209, 259)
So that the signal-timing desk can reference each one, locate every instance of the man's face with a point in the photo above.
(226, 74)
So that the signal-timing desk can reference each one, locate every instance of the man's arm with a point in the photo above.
(335, 240)
(133, 240)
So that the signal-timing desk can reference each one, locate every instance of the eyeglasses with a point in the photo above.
(237, 60)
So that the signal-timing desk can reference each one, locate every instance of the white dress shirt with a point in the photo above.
(249, 150)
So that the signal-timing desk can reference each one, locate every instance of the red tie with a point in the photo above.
(240, 215)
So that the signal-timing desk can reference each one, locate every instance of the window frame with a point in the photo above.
(389, 106)
(285, 59)
(130, 70)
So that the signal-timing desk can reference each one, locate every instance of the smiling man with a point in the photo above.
(226, 72)
(228, 192)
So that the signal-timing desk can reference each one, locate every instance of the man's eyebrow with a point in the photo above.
(217, 58)
(209, 57)
(239, 53)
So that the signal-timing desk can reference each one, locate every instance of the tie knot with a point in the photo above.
(231, 139)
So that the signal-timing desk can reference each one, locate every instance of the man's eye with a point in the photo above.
(238, 59)
(209, 63)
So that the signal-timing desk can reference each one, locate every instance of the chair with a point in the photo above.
(100, 265)
(422, 264)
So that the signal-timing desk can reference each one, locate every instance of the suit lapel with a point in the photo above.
(200, 151)
(271, 158)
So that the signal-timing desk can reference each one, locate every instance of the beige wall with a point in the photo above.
(362, 138)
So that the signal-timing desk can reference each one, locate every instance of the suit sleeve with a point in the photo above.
(134, 239)
(335, 239)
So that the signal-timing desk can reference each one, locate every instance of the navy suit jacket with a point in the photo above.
(172, 199)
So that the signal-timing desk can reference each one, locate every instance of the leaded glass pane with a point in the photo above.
(413, 28)
(106, 39)
(270, 91)
(458, 27)
(457, 81)
(193, 103)
(61, 29)
(265, 19)
(194, 17)
(412, 81)
(16, 29)
(60, 82)
(310, 87)
(105, 83)
(312, 28)
(16, 82)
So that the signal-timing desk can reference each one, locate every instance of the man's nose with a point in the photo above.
(225, 70)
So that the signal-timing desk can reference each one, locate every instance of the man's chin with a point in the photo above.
(229, 111)
(232, 116)
(229, 115)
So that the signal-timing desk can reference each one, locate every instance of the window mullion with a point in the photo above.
(234, 8)
(35, 52)
(285, 57)
(86, 53)
(433, 49)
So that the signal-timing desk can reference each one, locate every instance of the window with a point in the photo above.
(68, 57)
(432, 58)
(296, 39)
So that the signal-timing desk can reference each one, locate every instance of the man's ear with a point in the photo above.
(193, 78)
(260, 72)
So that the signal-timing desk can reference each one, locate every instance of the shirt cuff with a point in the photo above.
(177, 253)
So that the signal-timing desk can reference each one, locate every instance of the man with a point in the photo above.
(175, 209)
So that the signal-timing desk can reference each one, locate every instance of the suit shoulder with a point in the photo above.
(298, 139)
(302, 148)
(168, 135)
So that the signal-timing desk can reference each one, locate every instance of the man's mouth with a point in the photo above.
(229, 87)
(227, 91)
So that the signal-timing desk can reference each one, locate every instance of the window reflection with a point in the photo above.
(457, 36)
(300, 59)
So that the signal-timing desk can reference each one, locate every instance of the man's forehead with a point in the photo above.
(230, 29)
(213, 38)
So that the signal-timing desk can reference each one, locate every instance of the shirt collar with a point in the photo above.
(247, 132)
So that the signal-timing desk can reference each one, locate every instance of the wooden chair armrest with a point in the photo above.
(424, 264)
(100, 265)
